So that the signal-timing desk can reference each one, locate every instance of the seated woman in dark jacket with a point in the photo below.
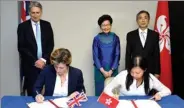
(59, 79)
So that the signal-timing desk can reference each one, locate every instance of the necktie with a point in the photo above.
(143, 37)
(38, 41)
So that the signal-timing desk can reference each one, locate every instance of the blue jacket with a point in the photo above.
(48, 77)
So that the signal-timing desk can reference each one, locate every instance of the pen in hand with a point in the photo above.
(37, 93)
(152, 98)
(156, 97)
(39, 98)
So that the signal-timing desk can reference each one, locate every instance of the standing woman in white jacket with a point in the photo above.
(137, 81)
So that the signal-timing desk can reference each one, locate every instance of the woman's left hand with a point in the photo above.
(156, 97)
(73, 94)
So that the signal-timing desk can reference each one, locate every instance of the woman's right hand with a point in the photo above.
(106, 74)
(39, 98)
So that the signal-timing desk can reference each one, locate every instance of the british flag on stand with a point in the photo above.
(24, 9)
(81, 97)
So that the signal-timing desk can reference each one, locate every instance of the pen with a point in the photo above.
(37, 92)
(152, 98)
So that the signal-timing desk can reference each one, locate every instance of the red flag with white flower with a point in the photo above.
(108, 101)
(163, 28)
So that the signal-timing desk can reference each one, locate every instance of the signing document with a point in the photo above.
(55, 103)
(143, 103)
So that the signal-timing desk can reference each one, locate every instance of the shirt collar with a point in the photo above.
(66, 75)
(34, 23)
(145, 31)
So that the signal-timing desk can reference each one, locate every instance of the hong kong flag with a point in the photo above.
(162, 27)
(107, 100)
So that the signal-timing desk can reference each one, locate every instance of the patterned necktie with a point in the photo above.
(38, 41)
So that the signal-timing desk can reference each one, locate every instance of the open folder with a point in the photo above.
(138, 104)
(55, 103)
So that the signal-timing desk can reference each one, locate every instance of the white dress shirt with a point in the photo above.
(143, 36)
(120, 80)
(34, 26)
(34, 31)
(61, 90)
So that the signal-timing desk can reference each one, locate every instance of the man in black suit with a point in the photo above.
(144, 42)
(35, 44)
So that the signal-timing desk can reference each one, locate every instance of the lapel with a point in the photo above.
(42, 29)
(32, 36)
(53, 80)
(139, 40)
(69, 81)
(147, 39)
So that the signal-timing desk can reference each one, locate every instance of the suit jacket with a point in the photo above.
(27, 48)
(150, 51)
(48, 78)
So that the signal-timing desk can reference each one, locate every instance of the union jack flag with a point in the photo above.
(81, 97)
(25, 10)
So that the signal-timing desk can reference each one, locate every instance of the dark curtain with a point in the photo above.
(176, 14)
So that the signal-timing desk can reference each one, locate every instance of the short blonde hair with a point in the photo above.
(61, 55)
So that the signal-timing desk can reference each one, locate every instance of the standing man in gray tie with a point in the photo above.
(35, 44)
(144, 42)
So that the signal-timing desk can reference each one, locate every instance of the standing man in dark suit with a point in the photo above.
(35, 44)
(144, 42)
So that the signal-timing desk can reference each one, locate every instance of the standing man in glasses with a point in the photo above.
(144, 42)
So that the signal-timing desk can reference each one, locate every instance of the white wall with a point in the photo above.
(9, 77)
(75, 25)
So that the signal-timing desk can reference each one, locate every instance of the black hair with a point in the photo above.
(142, 11)
(141, 62)
(104, 18)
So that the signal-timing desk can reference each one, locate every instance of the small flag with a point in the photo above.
(108, 101)
(81, 97)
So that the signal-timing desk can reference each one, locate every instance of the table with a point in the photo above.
(172, 101)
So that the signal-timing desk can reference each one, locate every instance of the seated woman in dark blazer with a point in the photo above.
(59, 79)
